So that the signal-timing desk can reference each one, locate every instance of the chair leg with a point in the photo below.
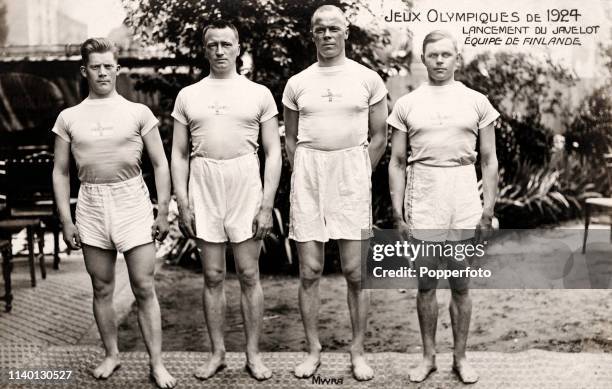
(587, 220)
(7, 268)
(41, 252)
(56, 258)
(30, 232)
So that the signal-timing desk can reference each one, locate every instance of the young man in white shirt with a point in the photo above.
(106, 135)
(435, 199)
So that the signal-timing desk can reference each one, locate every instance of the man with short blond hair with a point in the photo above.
(106, 134)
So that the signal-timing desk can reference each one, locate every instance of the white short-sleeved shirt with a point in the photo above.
(224, 115)
(105, 137)
(333, 104)
(442, 123)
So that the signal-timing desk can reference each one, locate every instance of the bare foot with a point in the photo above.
(465, 371)
(215, 364)
(309, 366)
(256, 368)
(423, 370)
(162, 378)
(107, 367)
(361, 370)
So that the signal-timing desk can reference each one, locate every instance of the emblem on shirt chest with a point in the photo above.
(218, 108)
(330, 95)
(101, 129)
(439, 118)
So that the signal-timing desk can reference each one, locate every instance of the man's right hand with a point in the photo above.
(402, 228)
(187, 221)
(71, 236)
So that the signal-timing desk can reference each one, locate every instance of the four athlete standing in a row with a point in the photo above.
(335, 116)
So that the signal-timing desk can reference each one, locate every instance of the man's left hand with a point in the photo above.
(262, 225)
(160, 228)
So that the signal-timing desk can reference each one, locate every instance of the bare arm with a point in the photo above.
(272, 171)
(397, 176)
(488, 164)
(61, 190)
(291, 131)
(155, 150)
(179, 166)
(377, 128)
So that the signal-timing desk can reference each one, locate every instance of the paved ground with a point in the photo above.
(58, 310)
(51, 327)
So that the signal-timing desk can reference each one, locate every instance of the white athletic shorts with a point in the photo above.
(116, 216)
(225, 196)
(441, 203)
(331, 195)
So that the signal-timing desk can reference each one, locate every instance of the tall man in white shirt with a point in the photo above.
(330, 110)
(435, 198)
(215, 171)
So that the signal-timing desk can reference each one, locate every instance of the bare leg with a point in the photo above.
(246, 255)
(213, 296)
(460, 309)
(460, 312)
(141, 268)
(358, 303)
(100, 265)
(311, 267)
(427, 309)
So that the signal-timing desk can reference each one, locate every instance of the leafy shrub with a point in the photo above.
(532, 196)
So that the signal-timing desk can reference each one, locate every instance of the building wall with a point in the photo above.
(72, 31)
(16, 14)
(41, 22)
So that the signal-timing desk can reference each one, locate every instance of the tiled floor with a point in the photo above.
(530, 369)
